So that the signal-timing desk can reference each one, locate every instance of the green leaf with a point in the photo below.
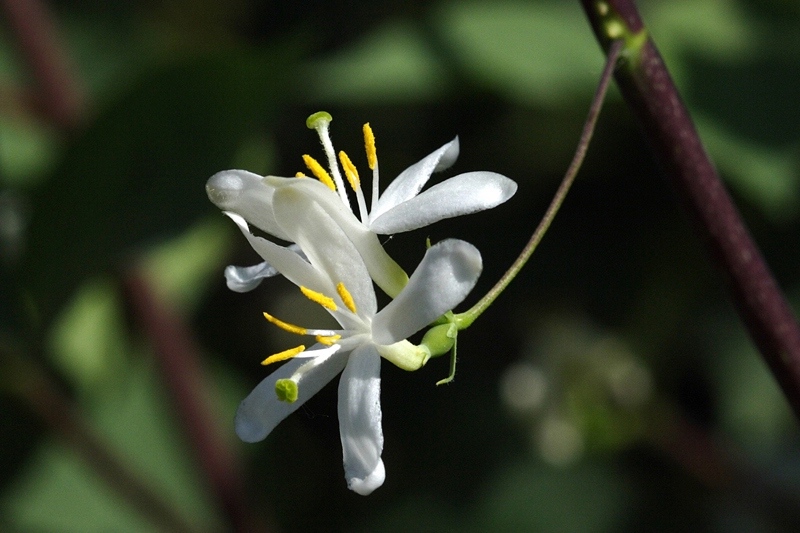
(534, 53)
(138, 172)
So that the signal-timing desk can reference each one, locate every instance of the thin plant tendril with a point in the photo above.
(465, 319)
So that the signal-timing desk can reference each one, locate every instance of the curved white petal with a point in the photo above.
(289, 263)
(442, 280)
(411, 180)
(261, 411)
(459, 195)
(245, 279)
(326, 246)
(360, 420)
(247, 195)
(386, 273)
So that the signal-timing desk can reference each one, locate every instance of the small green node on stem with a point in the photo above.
(614, 28)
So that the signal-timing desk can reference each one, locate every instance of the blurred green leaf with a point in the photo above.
(60, 493)
(88, 341)
(531, 52)
(182, 267)
(768, 177)
(393, 63)
(529, 496)
(27, 152)
(138, 172)
(751, 406)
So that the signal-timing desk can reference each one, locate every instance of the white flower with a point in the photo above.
(335, 276)
(400, 208)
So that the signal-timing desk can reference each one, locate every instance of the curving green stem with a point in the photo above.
(442, 337)
(465, 319)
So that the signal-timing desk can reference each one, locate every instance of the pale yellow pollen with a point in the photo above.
(316, 169)
(318, 297)
(284, 355)
(328, 340)
(300, 175)
(349, 171)
(346, 297)
(291, 328)
(369, 145)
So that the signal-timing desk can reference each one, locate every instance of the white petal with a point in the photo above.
(360, 420)
(247, 195)
(245, 279)
(386, 273)
(443, 279)
(326, 246)
(459, 195)
(411, 180)
(261, 411)
(289, 263)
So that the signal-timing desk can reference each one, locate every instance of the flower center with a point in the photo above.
(325, 337)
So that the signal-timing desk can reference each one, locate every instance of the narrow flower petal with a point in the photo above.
(412, 179)
(261, 411)
(459, 195)
(443, 279)
(245, 279)
(247, 195)
(385, 272)
(326, 246)
(289, 263)
(360, 420)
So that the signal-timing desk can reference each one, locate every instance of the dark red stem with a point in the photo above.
(184, 379)
(59, 96)
(648, 89)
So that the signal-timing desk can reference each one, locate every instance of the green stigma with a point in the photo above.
(318, 119)
(286, 390)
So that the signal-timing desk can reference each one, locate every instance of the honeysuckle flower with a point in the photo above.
(334, 275)
(401, 207)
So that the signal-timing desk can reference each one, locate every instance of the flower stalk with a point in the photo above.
(648, 89)
(465, 319)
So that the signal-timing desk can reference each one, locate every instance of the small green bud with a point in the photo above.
(440, 339)
(286, 390)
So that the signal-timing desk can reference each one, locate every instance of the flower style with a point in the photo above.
(400, 208)
(334, 275)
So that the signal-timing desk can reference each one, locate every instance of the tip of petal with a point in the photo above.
(224, 187)
(374, 480)
(248, 428)
(449, 156)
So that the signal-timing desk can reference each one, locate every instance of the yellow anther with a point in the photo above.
(291, 328)
(369, 145)
(349, 171)
(316, 169)
(318, 297)
(283, 356)
(300, 175)
(328, 340)
(347, 298)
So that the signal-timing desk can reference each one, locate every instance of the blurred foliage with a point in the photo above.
(618, 290)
